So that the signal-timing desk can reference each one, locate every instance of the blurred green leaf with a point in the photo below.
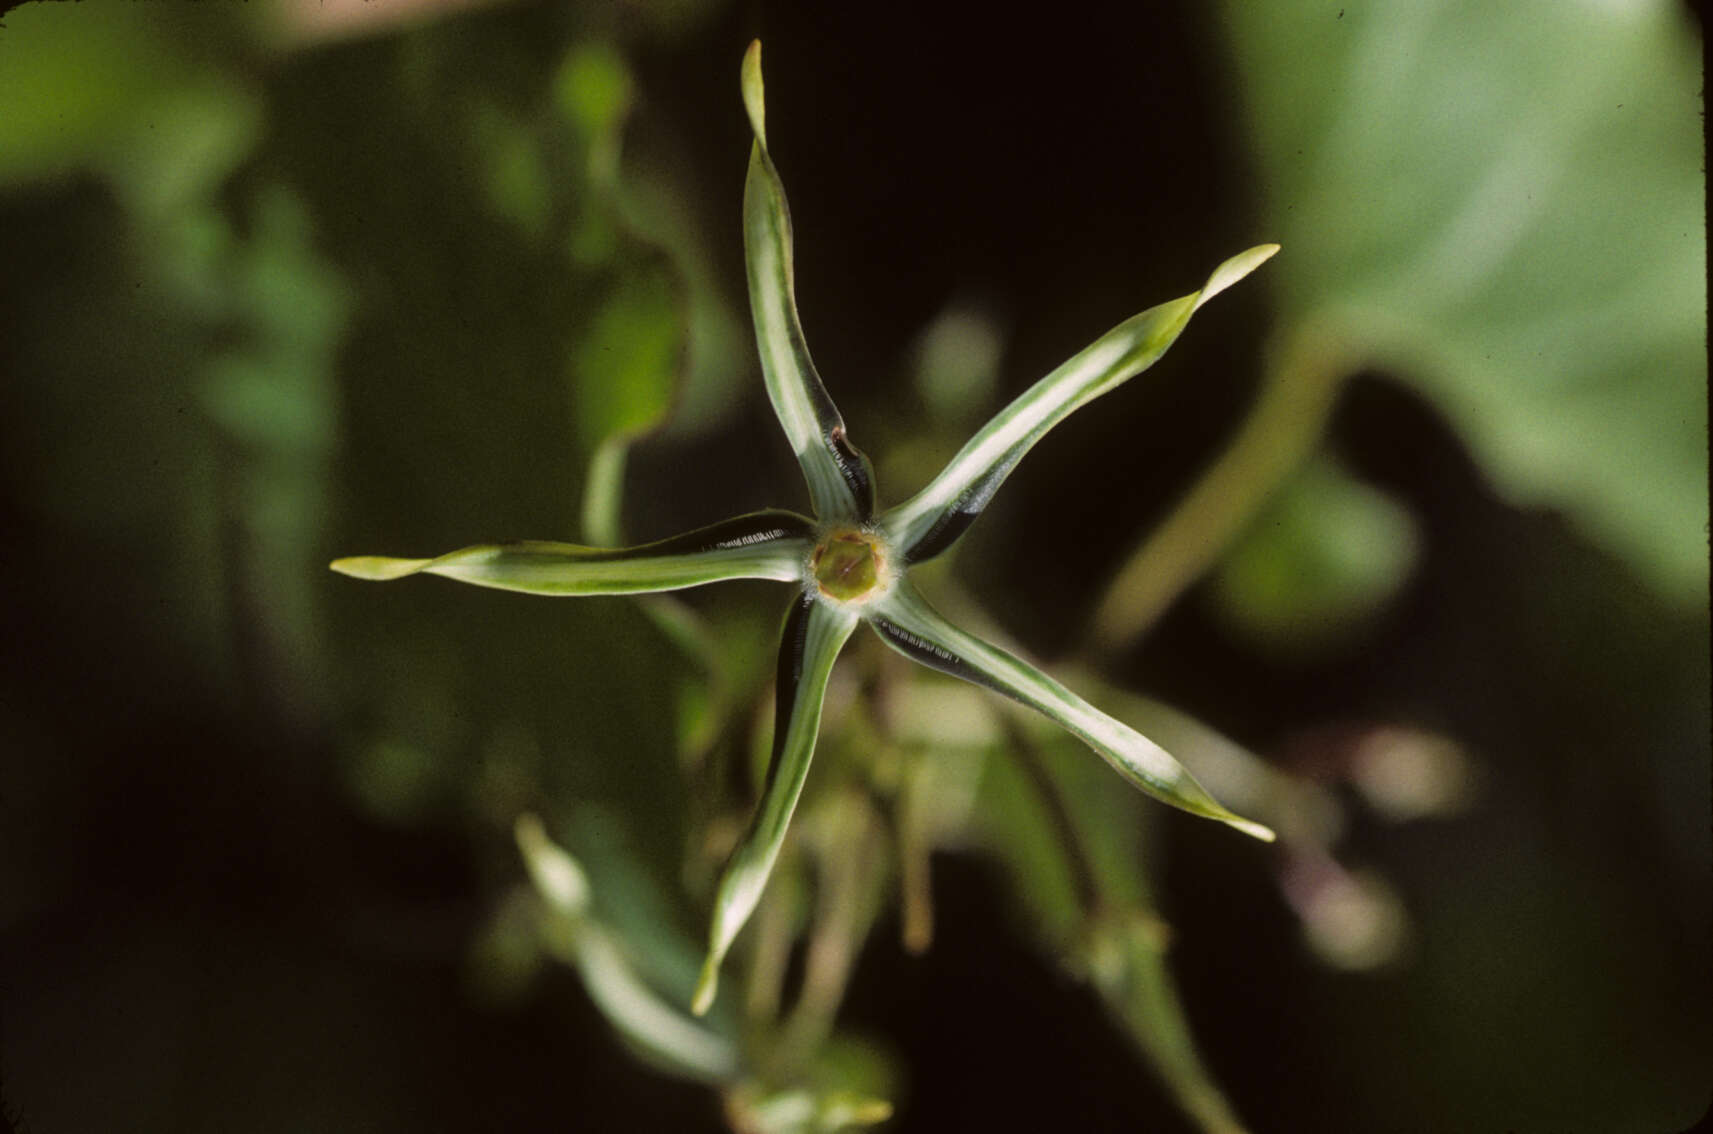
(396, 780)
(655, 1029)
(161, 120)
(1326, 554)
(246, 398)
(271, 399)
(184, 145)
(1079, 852)
(624, 368)
(630, 361)
(638, 900)
(56, 119)
(1502, 204)
(593, 89)
(957, 365)
(510, 164)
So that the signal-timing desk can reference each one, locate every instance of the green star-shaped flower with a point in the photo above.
(848, 564)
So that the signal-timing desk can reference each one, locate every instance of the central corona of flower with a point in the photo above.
(848, 566)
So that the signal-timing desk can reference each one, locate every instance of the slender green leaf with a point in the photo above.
(841, 483)
(814, 633)
(932, 520)
(653, 1028)
(1129, 968)
(906, 622)
(761, 545)
(1079, 854)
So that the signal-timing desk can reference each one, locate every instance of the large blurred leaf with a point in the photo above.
(1502, 203)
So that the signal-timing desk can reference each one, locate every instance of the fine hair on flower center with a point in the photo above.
(848, 565)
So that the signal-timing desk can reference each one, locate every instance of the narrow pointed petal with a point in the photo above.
(814, 633)
(762, 545)
(906, 622)
(841, 483)
(932, 520)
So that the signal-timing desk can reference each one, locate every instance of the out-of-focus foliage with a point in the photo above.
(139, 94)
(1328, 552)
(1072, 848)
(224, 305)
(284, 280)
(1519, 235)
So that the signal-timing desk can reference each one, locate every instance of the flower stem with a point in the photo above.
(1284, 427)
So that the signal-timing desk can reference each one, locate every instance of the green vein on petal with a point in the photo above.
(906, 622)
(814, 633)
(932, 520)
(760, 545)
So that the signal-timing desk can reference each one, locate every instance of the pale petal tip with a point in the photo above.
(870, 1112)
(706, 986)
(377, 568)
(753, 100)
(1252, 828)
(1235, 269)
(556, 875)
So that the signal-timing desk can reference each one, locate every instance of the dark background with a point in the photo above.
(208, 926)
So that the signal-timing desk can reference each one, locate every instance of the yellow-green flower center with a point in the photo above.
(847, 566)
